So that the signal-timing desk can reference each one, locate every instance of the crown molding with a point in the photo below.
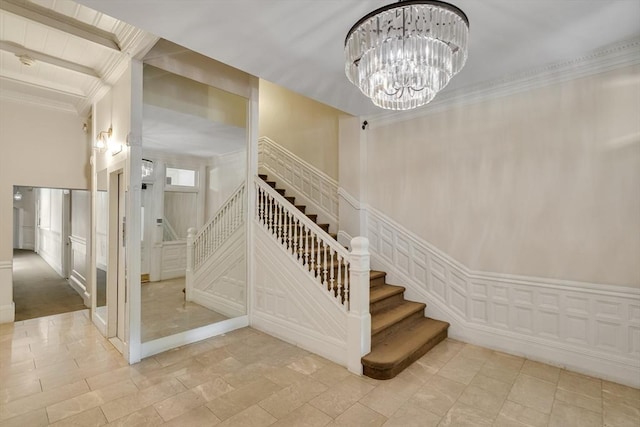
(618, 55)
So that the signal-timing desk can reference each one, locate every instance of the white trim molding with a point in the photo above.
(617, 55)
(586, 327)
(311, 186)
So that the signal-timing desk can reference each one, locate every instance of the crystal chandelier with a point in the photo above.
(403, 54)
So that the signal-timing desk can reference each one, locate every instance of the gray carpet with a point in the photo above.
(38, 290)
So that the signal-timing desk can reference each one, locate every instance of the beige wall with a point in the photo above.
(303, 126)
(542, 183)
(167, 90)
(40, 147)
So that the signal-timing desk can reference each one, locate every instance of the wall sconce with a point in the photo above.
(105, 140)
(17, 196)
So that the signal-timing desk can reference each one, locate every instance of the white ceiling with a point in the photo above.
(78, 52)
(298, 44)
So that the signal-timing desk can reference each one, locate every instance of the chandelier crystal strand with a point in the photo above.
(403, 54)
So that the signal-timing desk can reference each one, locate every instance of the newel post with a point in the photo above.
(191, 235)
(359, 319)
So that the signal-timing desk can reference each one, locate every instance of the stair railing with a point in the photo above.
(213, 234)
(321, 255)
(344, 274)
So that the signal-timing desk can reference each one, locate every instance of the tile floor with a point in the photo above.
(165, 312)
(59, 371)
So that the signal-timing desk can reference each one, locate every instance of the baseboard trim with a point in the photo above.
(8, 313)
(151, 348)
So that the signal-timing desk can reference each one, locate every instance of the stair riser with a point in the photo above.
(385, 374)
(380, 336)
(386, 303)
(379, 281)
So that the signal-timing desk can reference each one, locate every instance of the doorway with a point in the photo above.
(49, 251)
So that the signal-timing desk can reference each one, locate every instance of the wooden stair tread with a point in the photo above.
(390, 316)
(395, 348)
(378, 293)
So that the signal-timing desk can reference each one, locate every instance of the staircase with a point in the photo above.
(400, 333)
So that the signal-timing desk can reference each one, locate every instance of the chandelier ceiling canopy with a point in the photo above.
(403, 54)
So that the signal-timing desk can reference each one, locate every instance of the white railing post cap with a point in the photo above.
(359, 245)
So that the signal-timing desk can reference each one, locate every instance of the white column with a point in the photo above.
(191, 234)
(359, 319)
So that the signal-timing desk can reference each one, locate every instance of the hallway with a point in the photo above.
(38, 290)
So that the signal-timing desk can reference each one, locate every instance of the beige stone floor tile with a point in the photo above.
(580, 384)
(188, 366)
(235, 401)
(491, 385)
(470, 351)
(304, 416)
(19, 366)
(307, 365)
(629, 394)
(9, 393)
(58, 379)
(563, 415)
(342, 396)
(505, 375)
(42, 399)
(90, 400)
(360, 416)
(247, 374)
(90, 418)
(331, 374)
(177, 405)
(619, 413)
(514, 414)
(541, 370)
(117, 375)
(438, 395)
(37, 418)
(292, 397)
(461, 369)
(200, 416)
(446, 350)
(383, 401)
(461, 415)
(285, 376)
(487, 401)
(419, 371)
(212, 389)
(253, 416)
(580, 400)
(533, 393)
(147, 417)
(218, 369)
(125, 405)
(411, 414)
(212, 356)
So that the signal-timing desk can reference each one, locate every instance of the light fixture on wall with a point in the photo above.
(105, 140)
(17, 196)
(401, 55)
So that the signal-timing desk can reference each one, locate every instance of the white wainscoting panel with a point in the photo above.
(290, 305)
(311, 186)
(174, 259)
(78, 273)
(220, 283)
(50, 248)
(589, 328)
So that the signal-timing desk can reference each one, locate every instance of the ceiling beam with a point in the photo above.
(43, 57)
(58, 21)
